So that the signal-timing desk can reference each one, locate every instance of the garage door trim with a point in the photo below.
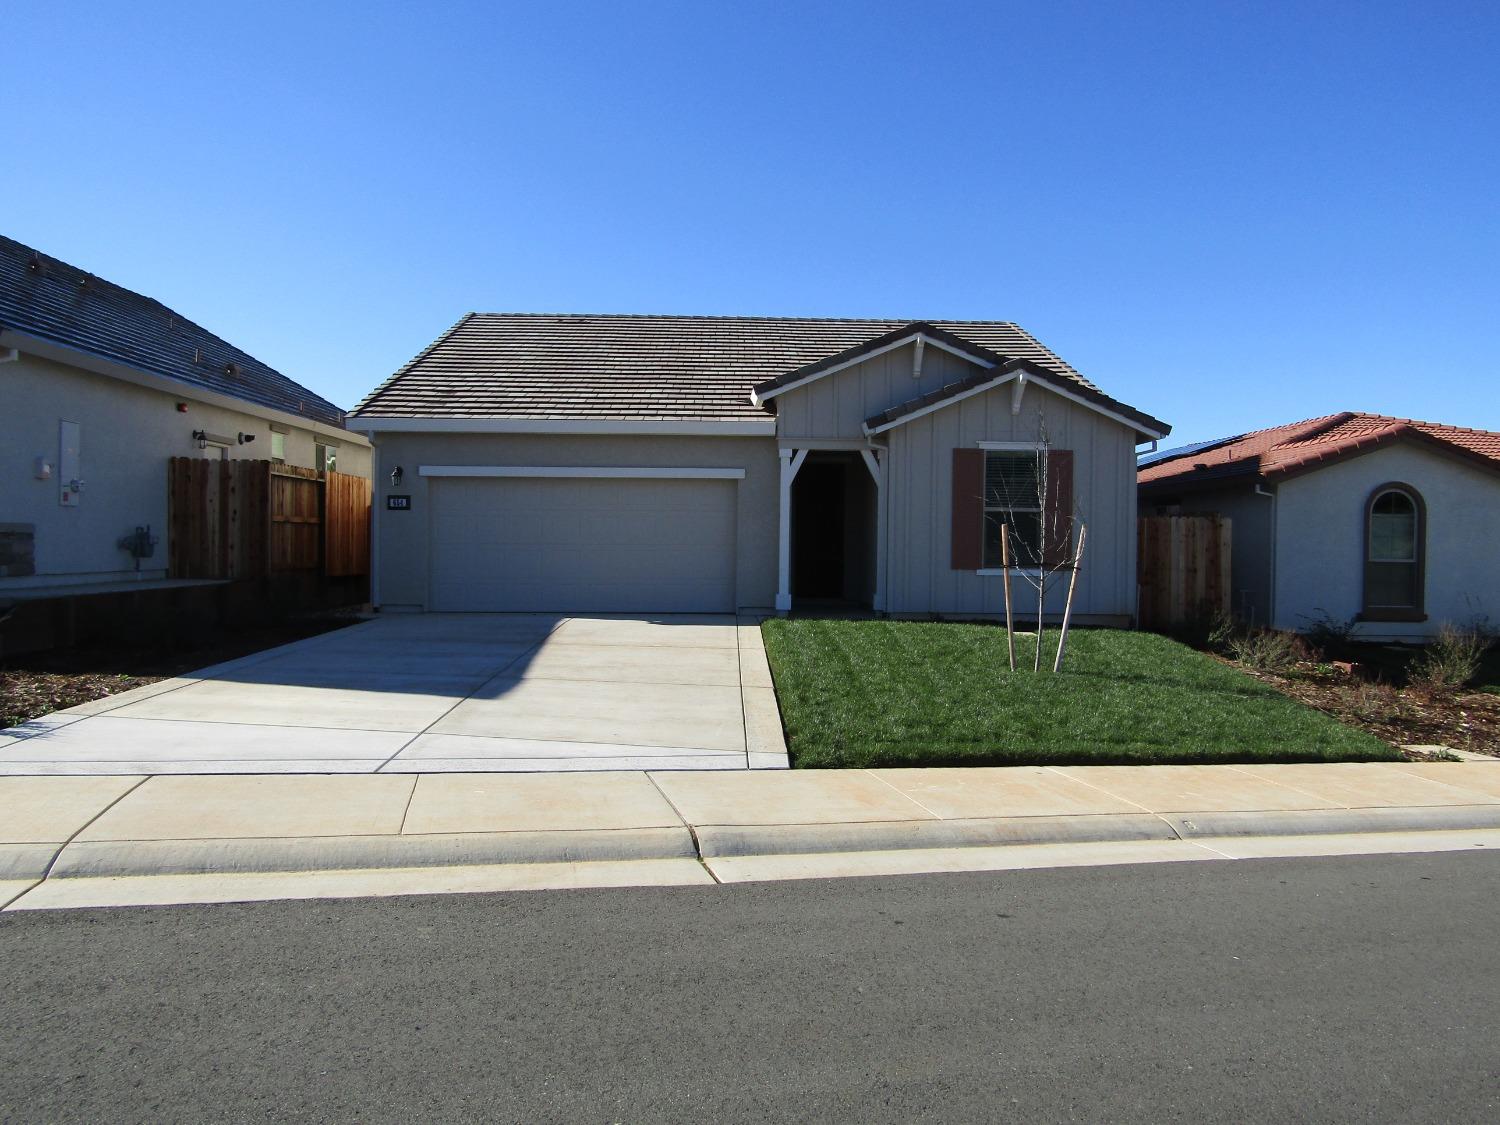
(638, 472)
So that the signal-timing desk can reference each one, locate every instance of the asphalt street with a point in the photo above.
(1330, 989)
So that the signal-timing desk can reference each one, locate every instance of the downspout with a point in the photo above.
(375, 506)
(1260, 490)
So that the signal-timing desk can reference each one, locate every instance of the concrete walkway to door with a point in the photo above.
(441, 693)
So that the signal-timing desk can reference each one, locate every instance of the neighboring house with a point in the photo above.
(681, 463)
(1353, 517)
(99, 387)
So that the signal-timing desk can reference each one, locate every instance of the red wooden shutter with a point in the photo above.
(968, 509)
(1057, 517)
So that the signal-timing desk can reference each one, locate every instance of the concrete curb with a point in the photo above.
(101, 858)
(1320, 822)
(124, 858)
(723, 841)
(26, 861)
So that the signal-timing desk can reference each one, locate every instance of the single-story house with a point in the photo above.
(100, 386)
(1386, 522)
(702, 463)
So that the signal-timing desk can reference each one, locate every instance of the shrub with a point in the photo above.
(1327, 633)
(1451, 661)
(1372, 703)
(1268, 650)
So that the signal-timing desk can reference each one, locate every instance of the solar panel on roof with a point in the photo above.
(1180, 451)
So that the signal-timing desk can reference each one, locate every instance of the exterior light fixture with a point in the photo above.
(201, 437)
(396, 475)
(244, 438)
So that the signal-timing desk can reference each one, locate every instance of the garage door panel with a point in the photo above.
(516, 544)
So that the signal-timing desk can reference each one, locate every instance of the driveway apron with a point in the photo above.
(430, 693)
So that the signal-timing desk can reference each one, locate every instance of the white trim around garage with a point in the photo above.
(616, 472)
(662, 427)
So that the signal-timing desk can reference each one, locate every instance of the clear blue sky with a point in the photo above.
(1228, 214)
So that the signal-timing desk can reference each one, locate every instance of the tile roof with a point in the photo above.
(45, 297)
(699, 368)
(1299, 446)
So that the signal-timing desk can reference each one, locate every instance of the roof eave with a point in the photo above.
(85, 360)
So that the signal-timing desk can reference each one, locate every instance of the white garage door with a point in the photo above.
(604, 545)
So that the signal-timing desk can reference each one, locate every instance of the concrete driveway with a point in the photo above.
(441, 692)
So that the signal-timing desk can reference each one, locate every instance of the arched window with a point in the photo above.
(1395, 540)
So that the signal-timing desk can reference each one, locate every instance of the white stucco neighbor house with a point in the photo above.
(1390, 523)
(99, 387)
(715, 464)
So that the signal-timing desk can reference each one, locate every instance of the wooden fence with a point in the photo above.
(1182, 565)
(247, 519)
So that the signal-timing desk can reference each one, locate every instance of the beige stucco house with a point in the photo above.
(1387, 523)
(714, 464)
(99, 387)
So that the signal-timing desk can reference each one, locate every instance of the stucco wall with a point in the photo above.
(126, 433)
(1320, 540)
(402, 537)
(919, 577)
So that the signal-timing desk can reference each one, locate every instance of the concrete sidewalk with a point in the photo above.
(76, 841)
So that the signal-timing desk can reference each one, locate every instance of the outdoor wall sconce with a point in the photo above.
(201, 437)
(396, 475)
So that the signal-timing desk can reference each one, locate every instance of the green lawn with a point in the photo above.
(901, 693)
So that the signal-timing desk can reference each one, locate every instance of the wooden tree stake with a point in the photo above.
(1010, 628)
(1062, 640)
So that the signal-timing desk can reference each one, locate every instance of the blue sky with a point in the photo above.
(1228, 214)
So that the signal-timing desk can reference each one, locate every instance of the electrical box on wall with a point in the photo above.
(70, 473)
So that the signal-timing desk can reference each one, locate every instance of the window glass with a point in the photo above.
(1012, 496)
(278, 446)
(325, 457)
(1393, 528)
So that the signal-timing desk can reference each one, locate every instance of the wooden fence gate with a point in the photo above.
(247, 519)
(1182, 565)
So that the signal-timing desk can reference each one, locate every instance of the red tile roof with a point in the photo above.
(1299, 446)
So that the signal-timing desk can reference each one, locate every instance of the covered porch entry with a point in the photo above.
(832, 528)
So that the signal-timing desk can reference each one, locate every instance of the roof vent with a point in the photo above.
(35, 265)
(197, 355)
(232, 370)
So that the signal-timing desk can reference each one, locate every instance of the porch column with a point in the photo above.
(791, 461)
(876, 466)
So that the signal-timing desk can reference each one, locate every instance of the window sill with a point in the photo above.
(1392, 615)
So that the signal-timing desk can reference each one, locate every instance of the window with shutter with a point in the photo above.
(1013, 498)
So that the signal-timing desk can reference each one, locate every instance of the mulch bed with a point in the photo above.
(37, 684)
(1401, 716)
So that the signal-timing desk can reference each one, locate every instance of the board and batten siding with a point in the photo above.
(919, 575)
(837, 405)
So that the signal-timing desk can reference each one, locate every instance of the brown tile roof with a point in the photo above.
(1299, 446)
(563, 366)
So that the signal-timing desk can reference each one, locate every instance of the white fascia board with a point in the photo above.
(988, 385)
(616, 472)
(97, 365)
(757, 399)
(1031, 377)
(662, 427)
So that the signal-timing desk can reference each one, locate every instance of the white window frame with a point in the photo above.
(1038, 452)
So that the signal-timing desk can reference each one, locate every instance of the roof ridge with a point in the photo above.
(743, 316)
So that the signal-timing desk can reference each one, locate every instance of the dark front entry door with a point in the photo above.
(818, 531)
